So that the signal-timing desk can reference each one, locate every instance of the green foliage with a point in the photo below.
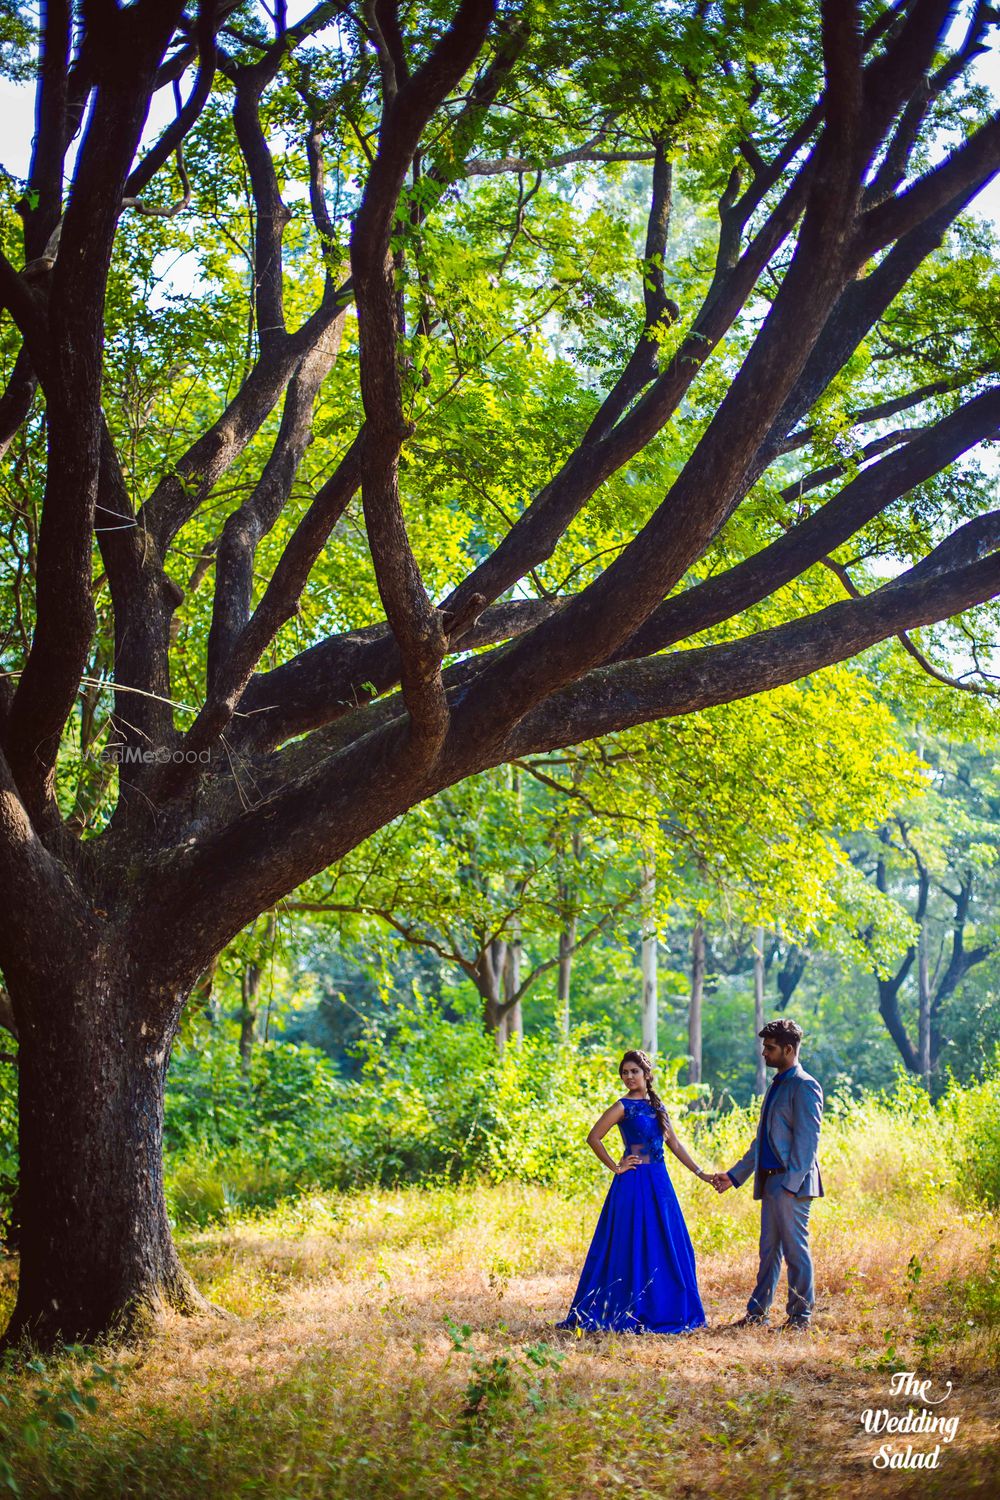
(17, 35)
(231, 1141)
(973, 1115)
(62, 1397)
(436, 1103)
(495, 1382)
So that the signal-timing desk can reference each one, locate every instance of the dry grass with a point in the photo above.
(335, 1374)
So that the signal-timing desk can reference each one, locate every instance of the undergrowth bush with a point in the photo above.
(435, 1104)
(971, 1114)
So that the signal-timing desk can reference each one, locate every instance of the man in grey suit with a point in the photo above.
(785, 1178)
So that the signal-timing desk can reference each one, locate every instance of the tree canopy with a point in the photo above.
(440, 386)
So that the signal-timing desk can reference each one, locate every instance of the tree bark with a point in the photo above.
(650, 940)
(790, 973)
(697, 994)
(924, 1004)
(512, 983)
(490, 981)
(760, 1078)
(249, 997)
(97, 1258)
(567, 938)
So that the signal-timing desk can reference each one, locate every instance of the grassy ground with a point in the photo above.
(335, 1373)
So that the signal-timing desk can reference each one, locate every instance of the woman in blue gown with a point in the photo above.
(639, 1275)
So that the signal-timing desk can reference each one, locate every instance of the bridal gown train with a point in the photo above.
(639, 1275)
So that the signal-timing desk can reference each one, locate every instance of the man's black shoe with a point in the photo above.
(751, 1320)
(796, 1325)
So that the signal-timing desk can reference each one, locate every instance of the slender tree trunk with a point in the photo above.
(697, 994)
(567, 937)
(567, 934)
(790, 973)
(249, 1002)
(490, 970)
(95, 1245)
(512, 983)
(760, 1080)
(512, 966)
(924, 1014)
(650, 939)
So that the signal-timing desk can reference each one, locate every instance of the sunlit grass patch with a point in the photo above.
(402, 1343)
(341, 1374)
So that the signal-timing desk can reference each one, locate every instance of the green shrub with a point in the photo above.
(971, 1113)
(435, 1103)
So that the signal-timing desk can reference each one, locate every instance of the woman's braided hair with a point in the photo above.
(647, 1072)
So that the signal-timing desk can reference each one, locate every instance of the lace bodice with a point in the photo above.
(641, 1128)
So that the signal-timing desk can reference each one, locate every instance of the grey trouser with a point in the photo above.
(784, 1230)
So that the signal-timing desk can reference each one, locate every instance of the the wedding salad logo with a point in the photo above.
(918, 1421)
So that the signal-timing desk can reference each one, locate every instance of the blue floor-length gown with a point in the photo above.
(639, 1275)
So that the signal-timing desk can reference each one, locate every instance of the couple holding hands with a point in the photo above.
(639, 1275)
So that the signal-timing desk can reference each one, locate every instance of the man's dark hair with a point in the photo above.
(785, 1033)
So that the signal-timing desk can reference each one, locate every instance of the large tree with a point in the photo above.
(496, 366)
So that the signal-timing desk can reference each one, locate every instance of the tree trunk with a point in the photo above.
(924, 1013)
(760, 1080)
(650, 939)
(249, 998)
(512, 983)
(567, 938)
(888, 1004)
(97, 1259)
(697, 993)
(490, 980)
(790, 973)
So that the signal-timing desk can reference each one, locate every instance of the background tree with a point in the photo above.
(939, 859)
(505, 365)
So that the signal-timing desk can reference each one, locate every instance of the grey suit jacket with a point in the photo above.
(793, 1130)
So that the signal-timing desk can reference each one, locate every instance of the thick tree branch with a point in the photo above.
(142, 598)
(947, 582)
(334, 676)
(182, 491)
(65, 613)
(15, 403)
(884, 409)
(416, 625)
(43, 201)
(172, 138)
(963, 174)
(728, 594)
